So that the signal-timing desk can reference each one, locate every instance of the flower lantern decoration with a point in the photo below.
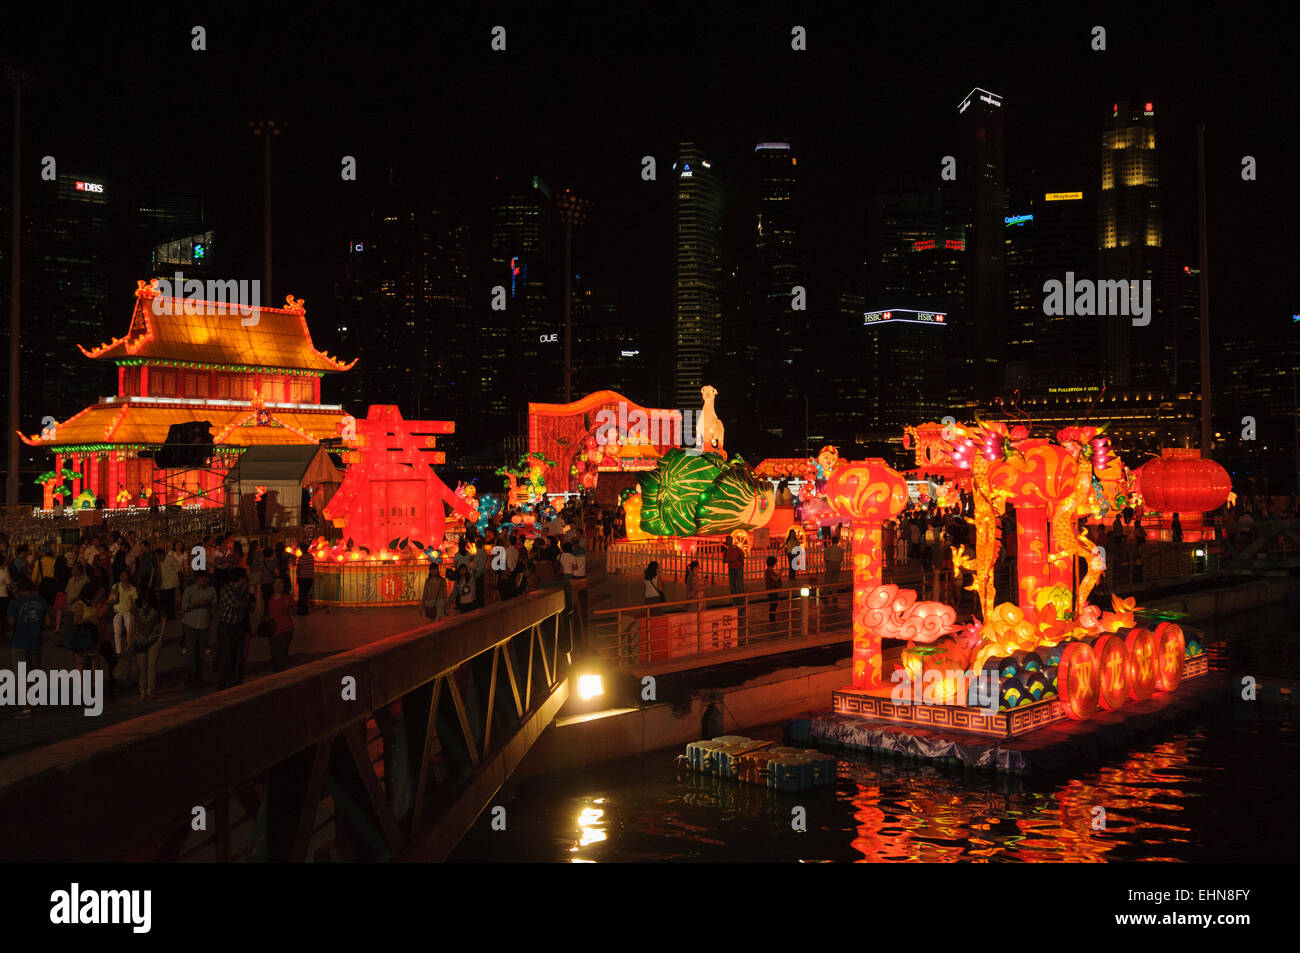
(1183, 484)
(865, 493)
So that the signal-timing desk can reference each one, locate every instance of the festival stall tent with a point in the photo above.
(277, 476)
(252, 372)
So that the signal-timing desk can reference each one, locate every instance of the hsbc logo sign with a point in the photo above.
(90, 186)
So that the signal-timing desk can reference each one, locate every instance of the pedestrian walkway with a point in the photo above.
(323, 632)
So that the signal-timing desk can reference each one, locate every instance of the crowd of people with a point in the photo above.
(113, 596)
(510, 557)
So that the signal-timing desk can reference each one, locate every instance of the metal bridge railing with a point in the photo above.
(635, 636)
(390, 750)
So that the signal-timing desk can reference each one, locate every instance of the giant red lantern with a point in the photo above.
(1175, 483)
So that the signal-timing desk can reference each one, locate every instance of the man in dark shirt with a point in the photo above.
(28, 612)
(232, 622)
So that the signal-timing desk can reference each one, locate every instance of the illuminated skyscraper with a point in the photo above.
(781, 333)
(407, 310)
(975, 203)
(697, 272)
(1130, 239)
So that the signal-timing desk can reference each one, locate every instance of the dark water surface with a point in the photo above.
(1219, 790)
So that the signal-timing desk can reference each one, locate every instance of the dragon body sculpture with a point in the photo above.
(1067, 540)
(988, 507)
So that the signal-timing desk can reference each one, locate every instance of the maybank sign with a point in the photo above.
(1063, 196)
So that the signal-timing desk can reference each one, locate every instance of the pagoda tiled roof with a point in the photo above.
(131, 423)
(217, 333)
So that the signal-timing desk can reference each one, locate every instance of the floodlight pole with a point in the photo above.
(19, 80)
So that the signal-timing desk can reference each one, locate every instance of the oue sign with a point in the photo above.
(548, 338)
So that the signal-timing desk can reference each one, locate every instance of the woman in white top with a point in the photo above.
(653, 588)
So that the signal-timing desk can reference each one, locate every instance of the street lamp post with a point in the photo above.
(573, 211)
(266, 128)
(20, 80)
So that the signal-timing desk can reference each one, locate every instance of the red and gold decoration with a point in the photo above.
(865, 493)
(1055, 654)
(255, 378)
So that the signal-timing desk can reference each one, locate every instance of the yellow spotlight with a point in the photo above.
(589, 686)
(805, 592)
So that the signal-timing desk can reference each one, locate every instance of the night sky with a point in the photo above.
(584, 90)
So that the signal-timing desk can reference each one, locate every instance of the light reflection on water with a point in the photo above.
(1220, 790)
(1216, 791)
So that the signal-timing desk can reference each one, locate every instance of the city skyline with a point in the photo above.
(624, 247)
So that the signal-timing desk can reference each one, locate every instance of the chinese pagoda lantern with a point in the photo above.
(1183, 484)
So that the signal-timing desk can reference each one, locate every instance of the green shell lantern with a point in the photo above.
(672, 493)
(691, 493)
(736, 501)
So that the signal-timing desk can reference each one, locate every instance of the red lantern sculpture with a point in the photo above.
(1078, 681)
(1171, 647)
(1174, 483)
(1113, 662)
(866, 493)
(1142, 662)
(1037, 480)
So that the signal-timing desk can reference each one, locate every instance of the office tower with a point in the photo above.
(168, 213)
(406, 309)
(1048, 232)
(68, 268)
(904, 386)
(782, 333)
(837, 406)
(907, 211)
(608, 354)
(523, 346)
(1026, 323)
(1130, 240)
(190, 254)
(975, 203)
(697, 272)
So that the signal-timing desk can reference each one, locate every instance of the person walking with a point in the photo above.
(478, 570)
(833, 557)
(734, 557)
(579, 560)
(433, 602)
(694, 581)
(7, 588)
(306, 567)
(794, 552)
(771, 582)
(27, 610)
(172, 572)
(279, 610)
(652, 589)
(566, 560)
(124, 597)
(197, 603)
(146, 642)
(232, 624)
(1176, 527)
(466, 593)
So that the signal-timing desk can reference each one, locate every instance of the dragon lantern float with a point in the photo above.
(1050, 641)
